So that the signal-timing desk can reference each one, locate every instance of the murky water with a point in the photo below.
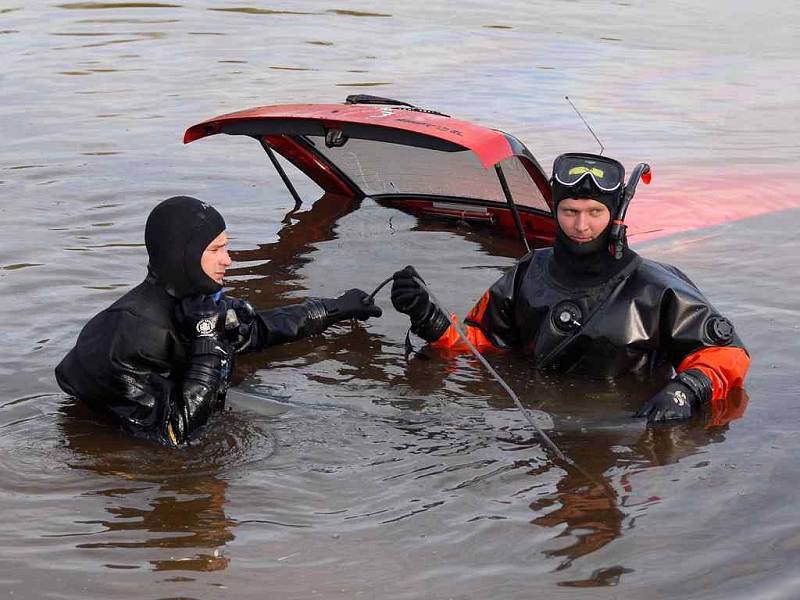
(380, 478)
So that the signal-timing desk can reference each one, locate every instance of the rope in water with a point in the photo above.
(549, 443)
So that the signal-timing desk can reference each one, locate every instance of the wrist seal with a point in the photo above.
(699, 383)
(431, 327)
(317, 316)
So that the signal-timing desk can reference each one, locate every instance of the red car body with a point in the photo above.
(419, 161)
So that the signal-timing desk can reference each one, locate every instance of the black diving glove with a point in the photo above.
(239, 321)
(410, 297)
(684, 392)
(353, 304)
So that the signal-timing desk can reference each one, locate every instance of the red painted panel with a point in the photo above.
(489, 145)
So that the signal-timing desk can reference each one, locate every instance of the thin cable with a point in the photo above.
(546, 438)
(550, 444)
(463, 335)
(371, 298)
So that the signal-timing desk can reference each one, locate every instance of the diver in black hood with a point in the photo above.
(591, 305)
(159, 360)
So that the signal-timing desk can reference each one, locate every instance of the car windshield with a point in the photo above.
(380, 168)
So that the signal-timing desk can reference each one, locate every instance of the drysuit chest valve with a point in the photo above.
(566, 316)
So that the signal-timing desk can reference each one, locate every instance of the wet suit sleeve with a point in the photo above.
(199, 389)
(725, 367)
(491, 322)
(120, 367)
(143, 390)
(289, 323)
(702, 341)
(313, 316)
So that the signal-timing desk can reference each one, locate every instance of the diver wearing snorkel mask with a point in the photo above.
(591, 305)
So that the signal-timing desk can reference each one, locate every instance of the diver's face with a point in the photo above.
(582, 219)
(215, 259)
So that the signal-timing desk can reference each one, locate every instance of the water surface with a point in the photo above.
(386, 478)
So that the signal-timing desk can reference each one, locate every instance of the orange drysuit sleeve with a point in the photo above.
(451, 339)
(725, 366)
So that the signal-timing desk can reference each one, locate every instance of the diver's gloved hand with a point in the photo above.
(410, 297)
(353, 304)
(239, 320)
(321, 313)
(684, 392)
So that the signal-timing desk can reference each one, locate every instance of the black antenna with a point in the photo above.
(585, 123)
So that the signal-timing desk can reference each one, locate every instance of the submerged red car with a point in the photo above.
(419, 161)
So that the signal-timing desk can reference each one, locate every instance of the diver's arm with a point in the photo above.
(196, 395)
(703, 347)
(702, 341)
(490, 323)
(725, 367)
(259, 329)
(410, 297)
(705, 378)
(168, 409)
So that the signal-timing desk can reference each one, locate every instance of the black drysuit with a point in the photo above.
(130, 360)
(635, 318)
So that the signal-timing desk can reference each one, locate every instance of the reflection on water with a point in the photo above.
(185, 526)
(250, 10)
(106, 5)
(592, 517)
(591, 422)
(276, 272)
(156, 498)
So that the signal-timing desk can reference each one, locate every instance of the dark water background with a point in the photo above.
(387, 479)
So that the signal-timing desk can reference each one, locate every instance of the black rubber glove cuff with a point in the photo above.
(324, 312)
(317, 316)
(699, 383)
(433, 325)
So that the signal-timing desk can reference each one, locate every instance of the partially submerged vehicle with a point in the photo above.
(419, 161)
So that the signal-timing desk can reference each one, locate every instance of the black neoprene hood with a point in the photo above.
(580, 176)
(177, 233)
